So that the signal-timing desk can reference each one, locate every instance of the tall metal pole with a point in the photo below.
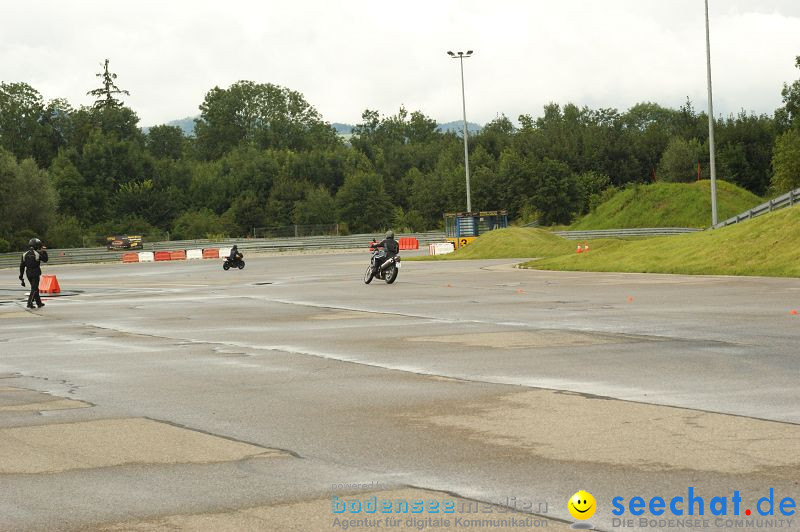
(711, 127)
(466, 148)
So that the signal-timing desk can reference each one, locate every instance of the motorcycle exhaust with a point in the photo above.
(387, 264)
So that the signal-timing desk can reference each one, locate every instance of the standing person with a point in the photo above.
(32, 260)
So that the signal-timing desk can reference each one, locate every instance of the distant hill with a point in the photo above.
(458, 127)
(187, 125)
(342, 129)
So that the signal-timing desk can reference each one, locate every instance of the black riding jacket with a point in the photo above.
(389, 245)
(32, 260)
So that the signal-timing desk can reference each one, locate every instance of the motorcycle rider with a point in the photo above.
(390, 249)
(31, 261)
(234, 256)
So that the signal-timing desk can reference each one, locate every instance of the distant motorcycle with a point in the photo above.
(238, 262)
(382, 268)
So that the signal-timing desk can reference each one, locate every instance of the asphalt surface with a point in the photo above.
(178, 395)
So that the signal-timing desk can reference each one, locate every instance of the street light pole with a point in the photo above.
(711, 127)
(460, 56)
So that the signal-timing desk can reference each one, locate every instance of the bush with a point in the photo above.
(65, 233)
(5, 246)
(198, 224)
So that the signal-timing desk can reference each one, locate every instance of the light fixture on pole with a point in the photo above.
(460, 56)
(711, 128)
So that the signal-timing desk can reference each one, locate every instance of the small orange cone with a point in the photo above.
(630, 299)
(48, 284)
(793, 312)
(586, 248)
(579, 250)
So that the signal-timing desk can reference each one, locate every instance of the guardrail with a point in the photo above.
(787, 200)
(99, 255)
(621, 233)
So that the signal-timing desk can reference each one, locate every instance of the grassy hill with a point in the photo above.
(668, 205)
(514, 242)
(767, 245)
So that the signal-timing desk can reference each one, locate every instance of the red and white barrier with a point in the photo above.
(440, 248)
(192, 254)
(146, 256)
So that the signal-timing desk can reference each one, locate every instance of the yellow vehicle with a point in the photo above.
(124, 242)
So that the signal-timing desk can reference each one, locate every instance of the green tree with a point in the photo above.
(789, 115)
(201, 223)
(679, 161)
(317, 208)
(363, 203)
(106, 95)
(166, 142)
(247, 212)
(590, 189)
(555, 192)
(21, 108)
(71, 186)
(261, 114)
(282, 198)
(28, 200)
(786, 162)
(65, 232)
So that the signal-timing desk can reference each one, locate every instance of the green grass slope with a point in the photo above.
(513, 242)
(768, 245)
(668, 205)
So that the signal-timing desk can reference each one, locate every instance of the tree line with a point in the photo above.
(262, 156)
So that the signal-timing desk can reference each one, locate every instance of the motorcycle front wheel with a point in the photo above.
(240, 265)
(368, 275)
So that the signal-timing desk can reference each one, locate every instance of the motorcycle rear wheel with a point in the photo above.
(226, 266)
(391, 274)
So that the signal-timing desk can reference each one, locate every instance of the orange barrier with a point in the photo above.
(177, 255)
(162, 255)
(211, 253)
(48, 284)
(130, 257)
(408, 243)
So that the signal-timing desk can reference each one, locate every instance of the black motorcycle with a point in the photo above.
(382, 268)
(238, 262)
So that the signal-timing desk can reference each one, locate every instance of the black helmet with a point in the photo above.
(234, 247)
(389, 234)
(34, 243)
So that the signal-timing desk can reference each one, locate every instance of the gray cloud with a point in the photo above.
(348, 56)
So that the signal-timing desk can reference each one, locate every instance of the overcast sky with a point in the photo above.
(347, 56)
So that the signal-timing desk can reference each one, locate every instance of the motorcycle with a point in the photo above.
(387, 270)
(238, 262)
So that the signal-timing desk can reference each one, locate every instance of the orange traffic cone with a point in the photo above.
(586, 248)
(48, 284)
(579, 250)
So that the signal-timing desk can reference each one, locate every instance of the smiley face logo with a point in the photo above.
(582, 505)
